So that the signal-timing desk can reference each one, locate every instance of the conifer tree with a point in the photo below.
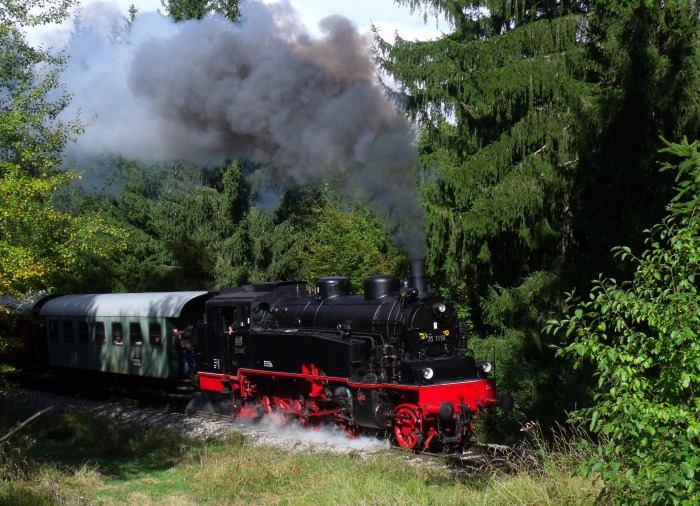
(497, 99)
(541, 124)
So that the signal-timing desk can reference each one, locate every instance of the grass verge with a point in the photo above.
(80, 459)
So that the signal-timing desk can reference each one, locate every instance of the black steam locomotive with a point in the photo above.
(393, 358)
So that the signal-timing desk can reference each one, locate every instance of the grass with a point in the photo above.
(78, 459)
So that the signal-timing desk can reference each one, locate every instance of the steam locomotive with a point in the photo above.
(393, 358)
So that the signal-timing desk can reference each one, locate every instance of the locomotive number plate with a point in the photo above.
(433, 338)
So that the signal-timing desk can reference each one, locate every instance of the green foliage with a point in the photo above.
(177, 215)
(543, 388)
(644, 57)
(262, 248)
(182, 10)
(349, 243)
(195, 228)
(521, 306)
(191, 228)
(642, 338)
(41, 248)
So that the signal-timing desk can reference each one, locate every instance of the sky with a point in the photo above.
(384, 14)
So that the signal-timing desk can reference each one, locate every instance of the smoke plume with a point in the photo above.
(264, 90)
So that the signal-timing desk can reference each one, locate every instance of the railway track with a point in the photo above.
(482, 458)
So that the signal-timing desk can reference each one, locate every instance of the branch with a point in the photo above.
(18, 427)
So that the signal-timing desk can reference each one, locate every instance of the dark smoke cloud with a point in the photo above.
(265, 90)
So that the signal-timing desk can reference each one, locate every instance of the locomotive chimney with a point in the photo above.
(417, 272)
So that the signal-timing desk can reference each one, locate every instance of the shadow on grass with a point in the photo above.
(119, 449)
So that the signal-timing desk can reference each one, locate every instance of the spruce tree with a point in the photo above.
(497, 99)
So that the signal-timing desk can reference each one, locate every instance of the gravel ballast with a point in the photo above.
(290, 437)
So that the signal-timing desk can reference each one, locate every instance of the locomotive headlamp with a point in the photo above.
(428, 373)
(439, 307)
(484, 366)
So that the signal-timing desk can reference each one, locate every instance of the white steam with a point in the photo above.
(325, 436)
(271, 429)
(264, 90)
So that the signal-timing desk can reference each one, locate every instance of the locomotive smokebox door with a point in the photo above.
(432, 332)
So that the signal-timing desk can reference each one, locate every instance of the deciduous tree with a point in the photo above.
(40, 248)
(642, 338)
(350, 243)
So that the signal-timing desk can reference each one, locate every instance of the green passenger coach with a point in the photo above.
(121, 333)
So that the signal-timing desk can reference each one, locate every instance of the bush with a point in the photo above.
(642, 338)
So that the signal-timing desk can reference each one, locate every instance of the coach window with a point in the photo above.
(83, 332)
(68, 331)
(100, 333)
(117, 335)
(154, 331)
(135, 337)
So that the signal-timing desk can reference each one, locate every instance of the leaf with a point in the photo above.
(688, 470)
(685, 383)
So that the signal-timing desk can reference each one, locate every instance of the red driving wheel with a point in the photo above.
(407, 427)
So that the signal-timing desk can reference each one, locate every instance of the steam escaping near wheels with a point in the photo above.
(284, 428)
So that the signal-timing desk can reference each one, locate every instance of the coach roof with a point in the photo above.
(150, 304)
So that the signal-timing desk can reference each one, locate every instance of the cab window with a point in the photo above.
(229, 317)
